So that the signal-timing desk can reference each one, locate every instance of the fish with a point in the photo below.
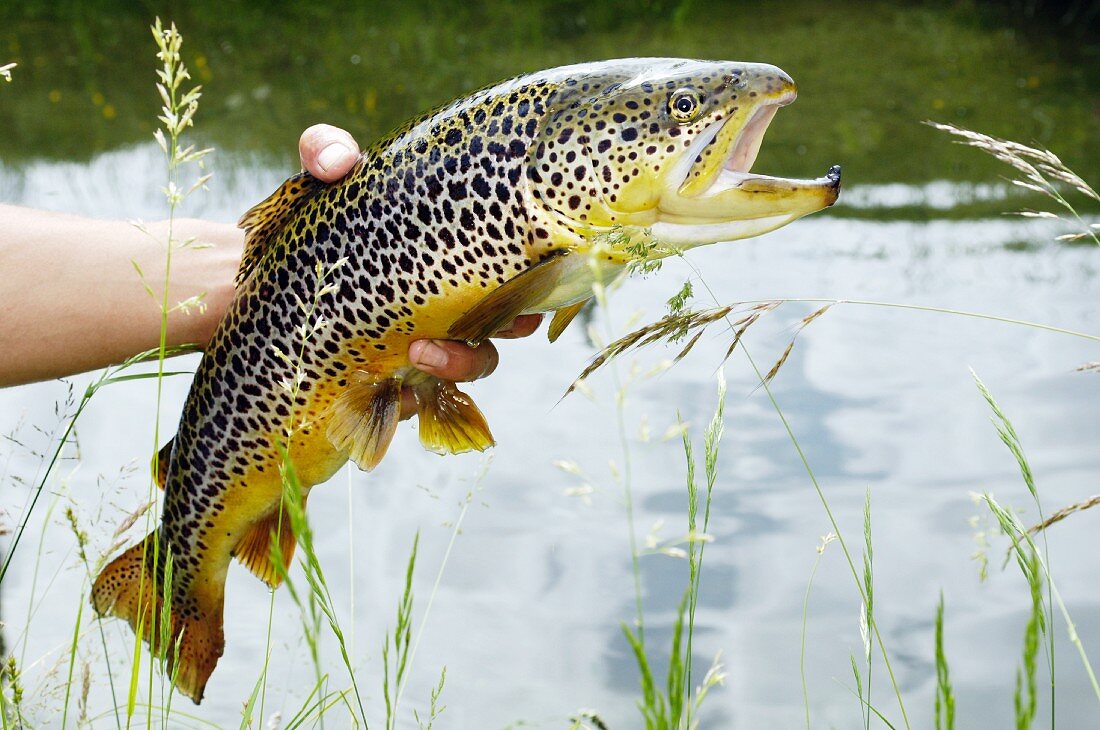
(489, 207)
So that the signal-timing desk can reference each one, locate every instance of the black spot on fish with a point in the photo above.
(457, 190)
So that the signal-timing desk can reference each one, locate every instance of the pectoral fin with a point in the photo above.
(363, 419)
(450, 423)
(519, 294)
(563, 317)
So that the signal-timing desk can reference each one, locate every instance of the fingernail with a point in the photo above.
(428, 354)
(330, 156)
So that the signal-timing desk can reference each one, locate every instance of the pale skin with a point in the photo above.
(71, 300)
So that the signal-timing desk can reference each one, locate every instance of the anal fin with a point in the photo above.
(449, 421)
(254, 549)
(363, 419)
(563, 317)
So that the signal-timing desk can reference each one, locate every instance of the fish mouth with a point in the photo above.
(713, 196)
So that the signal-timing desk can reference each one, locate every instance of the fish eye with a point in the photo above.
(683, 105)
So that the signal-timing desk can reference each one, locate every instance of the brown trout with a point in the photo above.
(450, 227)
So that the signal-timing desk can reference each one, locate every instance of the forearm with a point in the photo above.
(71, 299)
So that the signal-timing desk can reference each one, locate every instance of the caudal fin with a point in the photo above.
(131, 588)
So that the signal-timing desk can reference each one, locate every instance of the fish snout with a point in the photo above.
(771, 83)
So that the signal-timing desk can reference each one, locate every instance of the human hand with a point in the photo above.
(328, 153)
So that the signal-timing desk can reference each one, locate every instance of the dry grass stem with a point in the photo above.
(1064, 513)
(675, 328)
(1040, 171)
(691, 324)
(131, 518)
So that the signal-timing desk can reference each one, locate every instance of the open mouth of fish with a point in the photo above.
(707, 201)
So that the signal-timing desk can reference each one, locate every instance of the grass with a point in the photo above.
(673, 701)
(1040, 171)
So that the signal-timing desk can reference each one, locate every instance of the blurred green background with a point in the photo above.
(868, 72)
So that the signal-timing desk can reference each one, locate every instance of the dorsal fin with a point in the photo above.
(159, 463)
(264, 220)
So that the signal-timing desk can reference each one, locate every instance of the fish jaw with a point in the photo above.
(724, 201)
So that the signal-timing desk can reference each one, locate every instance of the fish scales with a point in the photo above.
(448, 228)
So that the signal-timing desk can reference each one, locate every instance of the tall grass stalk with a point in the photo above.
(674, 706)
(179, 106)
(318, 602)
(1026, 551)
(456, 529)
(600, 291)
(945, 693)
(867, 614)
(696, 540)
(825, 540)
(764, 380)
(395, 645)
(1011, 440)
(867, 610)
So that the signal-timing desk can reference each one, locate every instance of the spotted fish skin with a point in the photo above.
(505, 187)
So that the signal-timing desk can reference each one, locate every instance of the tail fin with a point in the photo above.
(131, 588)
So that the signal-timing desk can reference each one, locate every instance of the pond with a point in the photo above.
(525, 614)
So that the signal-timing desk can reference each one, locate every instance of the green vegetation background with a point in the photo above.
(869, 72)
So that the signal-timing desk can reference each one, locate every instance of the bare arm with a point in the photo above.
(70, 299)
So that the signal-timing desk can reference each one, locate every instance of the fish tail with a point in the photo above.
(189, 634)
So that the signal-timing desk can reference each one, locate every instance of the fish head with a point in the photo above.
(664, 148)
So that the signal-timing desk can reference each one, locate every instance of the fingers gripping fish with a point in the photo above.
(448, 228)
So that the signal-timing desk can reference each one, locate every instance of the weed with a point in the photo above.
(945, 693)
